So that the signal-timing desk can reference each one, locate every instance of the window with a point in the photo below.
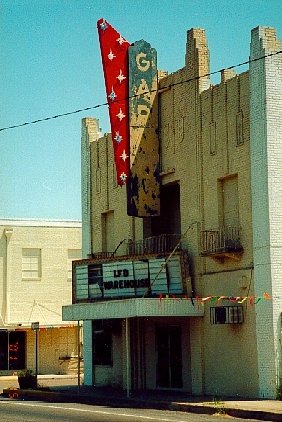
(73, 254)
(31, 264)
(102, 342)
(229, 202)
(108, 230)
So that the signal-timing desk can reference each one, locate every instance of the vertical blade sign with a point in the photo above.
(114, 52)
(143, 188)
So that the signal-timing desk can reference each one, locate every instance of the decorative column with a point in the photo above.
(266, 175)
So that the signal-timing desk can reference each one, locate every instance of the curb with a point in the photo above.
(40, 376)
(236, 413)
(65, 397)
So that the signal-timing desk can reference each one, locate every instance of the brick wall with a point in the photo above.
(266, 168)
(208, 134)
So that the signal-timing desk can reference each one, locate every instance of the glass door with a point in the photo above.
(169, 357)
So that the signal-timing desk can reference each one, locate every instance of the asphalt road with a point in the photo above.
(34, 411)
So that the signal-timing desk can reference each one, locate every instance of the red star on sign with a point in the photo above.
(114, 52)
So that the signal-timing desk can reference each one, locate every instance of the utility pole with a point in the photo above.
(35, 327)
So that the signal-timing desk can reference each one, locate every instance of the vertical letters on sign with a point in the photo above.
(143, 191)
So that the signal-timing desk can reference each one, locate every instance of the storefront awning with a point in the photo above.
(130, 308)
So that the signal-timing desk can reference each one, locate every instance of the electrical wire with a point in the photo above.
(137, 95)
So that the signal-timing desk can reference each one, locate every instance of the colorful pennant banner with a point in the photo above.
(252, 300)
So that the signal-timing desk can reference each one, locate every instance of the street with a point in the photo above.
(24, 411)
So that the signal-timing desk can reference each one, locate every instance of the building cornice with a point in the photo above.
(39, 223)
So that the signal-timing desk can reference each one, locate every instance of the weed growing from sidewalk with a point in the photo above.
(219, 406)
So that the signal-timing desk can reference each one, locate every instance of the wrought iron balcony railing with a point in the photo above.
(102, 255)
(153, 245)
(164, 243)
(222, 241)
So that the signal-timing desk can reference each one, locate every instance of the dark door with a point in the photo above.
(16, 350)
(12, 350)
(169, 357)
(3, 350)
(169, 222)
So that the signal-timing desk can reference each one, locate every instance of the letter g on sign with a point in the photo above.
(142, 63)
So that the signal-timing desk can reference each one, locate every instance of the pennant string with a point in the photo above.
(252, 300)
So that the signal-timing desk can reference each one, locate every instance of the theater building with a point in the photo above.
(188, 298)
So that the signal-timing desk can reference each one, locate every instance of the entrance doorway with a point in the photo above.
(169, 357)
(169, 222)
(12, 350)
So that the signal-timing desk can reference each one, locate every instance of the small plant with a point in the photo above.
(25, 373)
(219, 406)
(26, 379)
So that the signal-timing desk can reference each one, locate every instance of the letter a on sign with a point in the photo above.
(114, 52)
(143, 187)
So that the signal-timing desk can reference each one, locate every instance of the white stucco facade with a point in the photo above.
(36, 281)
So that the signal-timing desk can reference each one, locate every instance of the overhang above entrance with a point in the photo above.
(130, 308)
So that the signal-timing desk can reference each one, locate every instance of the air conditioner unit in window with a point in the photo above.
(235, 314)
(226, 315)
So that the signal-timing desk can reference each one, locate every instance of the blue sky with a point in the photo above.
(50, 64)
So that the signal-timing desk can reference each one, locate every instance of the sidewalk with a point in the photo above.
(64, 388)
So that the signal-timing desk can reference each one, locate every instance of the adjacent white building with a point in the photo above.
(35, 282)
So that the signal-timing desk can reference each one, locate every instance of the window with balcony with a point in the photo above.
(225, 240)
(228, 201)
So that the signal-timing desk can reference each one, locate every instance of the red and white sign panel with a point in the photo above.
(114, 52)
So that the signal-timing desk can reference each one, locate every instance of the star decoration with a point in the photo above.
(118, 137)
(120, 40)
(123, 177)
(120, 115)
(112, 95)
(121, 77)
(114, 51)
(124, 156)
(111, 55)
(103, 25)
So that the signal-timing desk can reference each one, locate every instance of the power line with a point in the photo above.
(165, 87)
(53, 117)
